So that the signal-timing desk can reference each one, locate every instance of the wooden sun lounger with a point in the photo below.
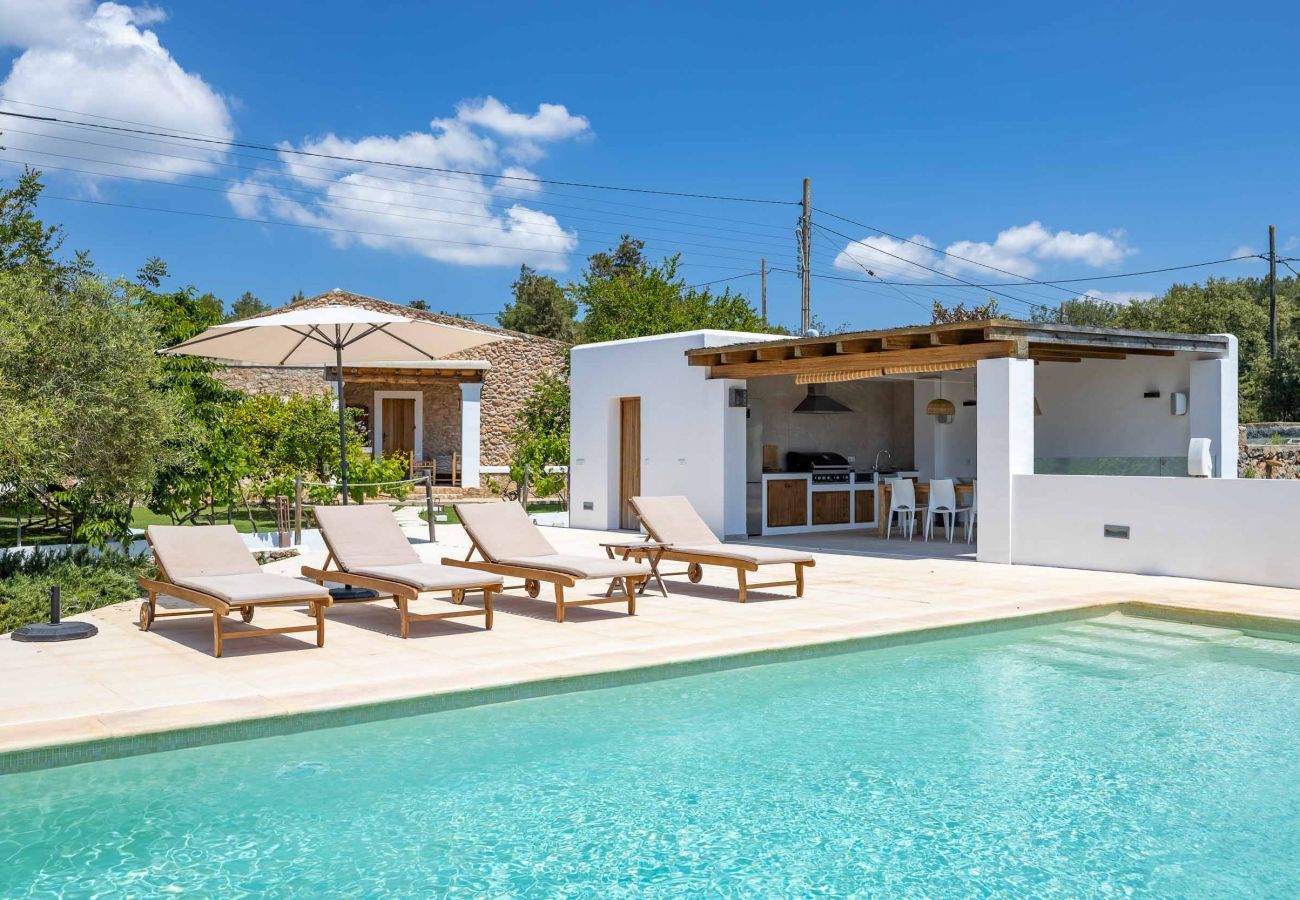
(209, 566)
(369, 550)
(674, 523)
(511, 546)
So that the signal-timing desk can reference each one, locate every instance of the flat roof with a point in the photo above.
(936, 348)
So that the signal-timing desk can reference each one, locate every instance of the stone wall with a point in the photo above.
(441, 411)
(283, 382)
(1266, 460)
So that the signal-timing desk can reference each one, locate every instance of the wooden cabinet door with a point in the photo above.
(830, 507)
(864, 506)
(787, 502)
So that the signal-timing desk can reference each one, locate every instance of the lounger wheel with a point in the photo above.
(146, 616)
(246, 613)
(532, 587)
(695, 572)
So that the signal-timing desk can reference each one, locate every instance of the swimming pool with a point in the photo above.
(1082, 758)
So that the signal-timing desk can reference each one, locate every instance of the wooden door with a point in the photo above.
(629, 470)
(399, 426)
(787, 502)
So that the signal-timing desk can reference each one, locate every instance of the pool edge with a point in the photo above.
(49, 756)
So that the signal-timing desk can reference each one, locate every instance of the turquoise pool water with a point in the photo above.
(1086, 758)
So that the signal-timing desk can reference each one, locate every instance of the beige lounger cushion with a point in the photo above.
(502, 529)
(579, 566)
(751, 553)
(672, 520)
(186, 551)
(363, 536)
(260, 587)
(431, 576)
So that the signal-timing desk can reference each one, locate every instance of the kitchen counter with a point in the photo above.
(793, 504)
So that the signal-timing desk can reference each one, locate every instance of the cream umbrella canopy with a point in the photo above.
(332, 335)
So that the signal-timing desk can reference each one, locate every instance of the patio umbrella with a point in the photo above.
(332, 335)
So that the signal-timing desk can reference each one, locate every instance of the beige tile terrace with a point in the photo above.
(126, 682)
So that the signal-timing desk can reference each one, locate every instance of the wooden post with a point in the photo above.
(762, 271)
(297, 509)
(428, 507)
(523, 489)
(805, 262)
(281, 520)
(1272, 292)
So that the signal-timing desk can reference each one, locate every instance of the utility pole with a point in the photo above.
(805, 259)
(762, 270)
(1272, 292)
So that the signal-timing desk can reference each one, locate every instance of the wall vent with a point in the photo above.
(1115, 531)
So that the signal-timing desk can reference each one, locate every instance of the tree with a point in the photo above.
(623, 296)
(247, 306)
(80, 361)
(419, 304)
(541, 436)
(26, 241)
(540, 307)
(948, 315)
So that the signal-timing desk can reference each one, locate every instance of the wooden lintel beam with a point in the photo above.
(1036, 352)
(704, 359)
(767, 354)
(849, 362)
(729, 357)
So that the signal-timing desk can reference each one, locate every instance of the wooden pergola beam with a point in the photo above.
(849, 362)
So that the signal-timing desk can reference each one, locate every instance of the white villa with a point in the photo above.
(1078, 441)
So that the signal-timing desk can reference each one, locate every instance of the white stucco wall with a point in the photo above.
(692, 442)
(1216, 528)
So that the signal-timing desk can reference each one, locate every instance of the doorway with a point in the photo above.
(629, 470)
(399, 423)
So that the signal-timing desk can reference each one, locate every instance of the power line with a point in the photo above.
(248, 145)
(302, 225)
(937, 271)
(488, 198)
(672, 243)
(692, 287)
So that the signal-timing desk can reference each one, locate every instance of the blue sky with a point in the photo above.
(1078, 142)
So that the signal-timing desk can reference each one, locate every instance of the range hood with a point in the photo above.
(818, 402)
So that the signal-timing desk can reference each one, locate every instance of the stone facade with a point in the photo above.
(284, 382)
(1262, 459)
(517, 364)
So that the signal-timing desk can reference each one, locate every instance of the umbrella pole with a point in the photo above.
(343, 422)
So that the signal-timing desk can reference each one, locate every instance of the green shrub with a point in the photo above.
(86, 582)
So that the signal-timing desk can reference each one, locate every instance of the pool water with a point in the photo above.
(1087, 758)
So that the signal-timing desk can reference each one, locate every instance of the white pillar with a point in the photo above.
(471, 394)
(1004, 448)
(1212, 408)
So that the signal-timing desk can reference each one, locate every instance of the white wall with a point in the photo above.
(1005, 449)
(1213, 528)
(875, 423)
(1095, 408)
(692, 442)
(946, 451)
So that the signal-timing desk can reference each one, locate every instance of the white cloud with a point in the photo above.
(887, 258)
(104, 61)
(1243, 250)
(449, 217)
(551, 122)
(1020, 249)
(1123, 298)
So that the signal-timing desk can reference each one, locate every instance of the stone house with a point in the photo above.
(456, 412)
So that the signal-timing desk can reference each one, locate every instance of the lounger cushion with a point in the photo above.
(579, 566)
(431, 576)
(187, 551)
(364, 535)
(673, 520)
(752, 553)
(501, 530)
(253, 587)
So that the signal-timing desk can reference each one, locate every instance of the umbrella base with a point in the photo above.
(63, 631)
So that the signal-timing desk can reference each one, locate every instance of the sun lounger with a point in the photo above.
(369, 550)
(210, 566)
(674, 522)
(511, 545)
